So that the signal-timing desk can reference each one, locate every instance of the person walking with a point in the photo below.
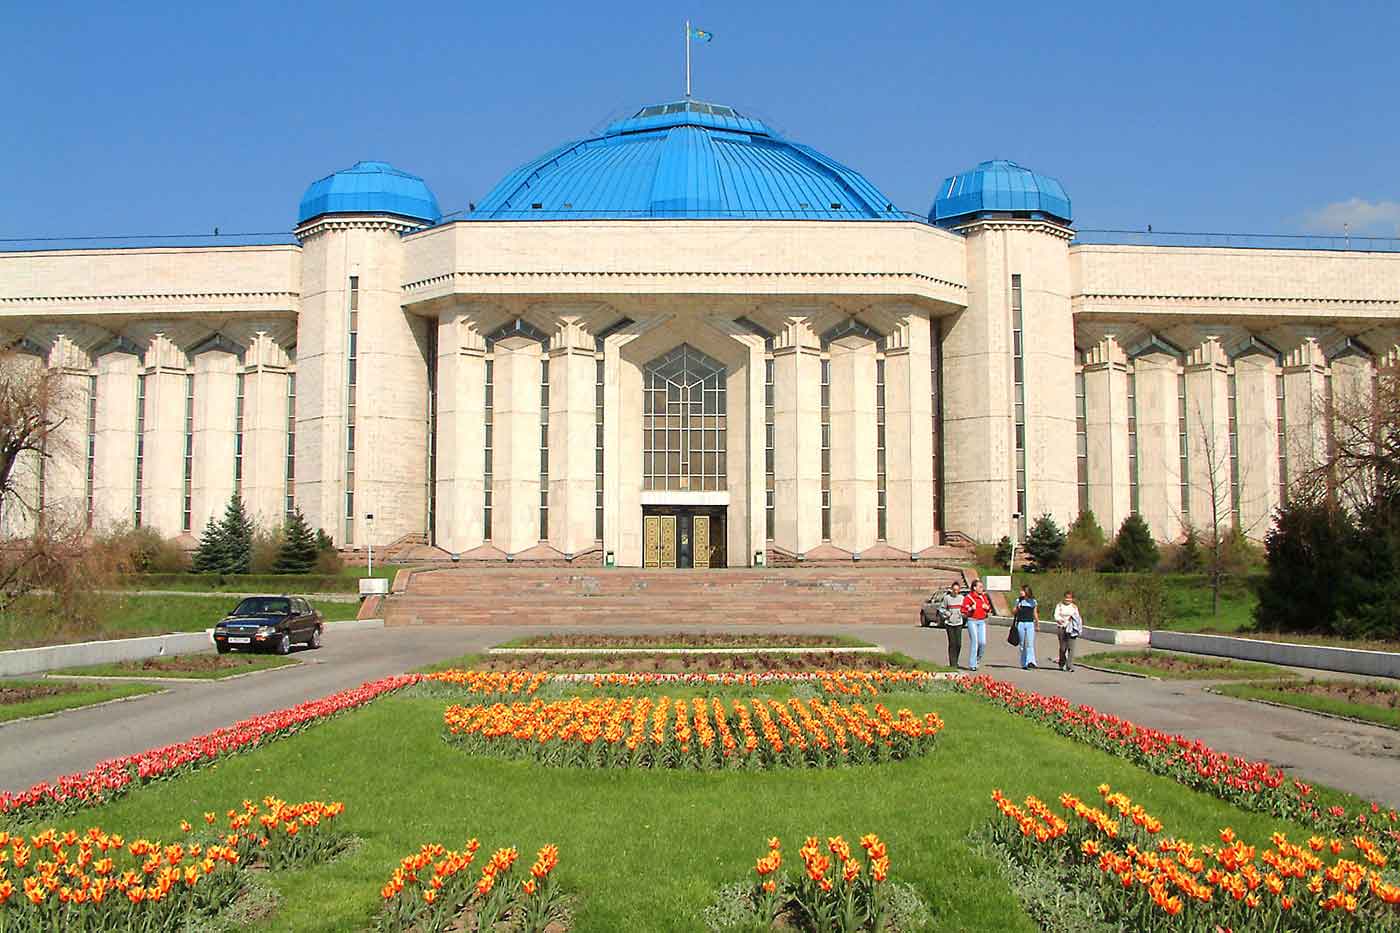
(953, 623)
(1026, 617)
(1070, 626)
(975, 609)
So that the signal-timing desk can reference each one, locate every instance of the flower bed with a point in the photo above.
(97, 881)
(433, 890)
(1118, 857)
(1251, 785)
(839, 890)
(642, 732)
(843, 682)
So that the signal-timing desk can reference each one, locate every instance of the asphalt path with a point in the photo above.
(1360, 758)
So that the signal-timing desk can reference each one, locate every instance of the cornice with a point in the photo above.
(1020, 226)
(328, 224)
(1236, 299)
(679, 274)
(170, 297)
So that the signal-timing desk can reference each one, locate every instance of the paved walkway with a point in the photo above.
(1359, 758)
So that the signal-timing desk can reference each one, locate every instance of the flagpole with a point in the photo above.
(687, 59)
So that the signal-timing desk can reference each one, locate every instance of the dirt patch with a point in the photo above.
(683, 640)
(1360, 693)
(1169, 663)
(691, 663)
(196, 663)
(10, 696)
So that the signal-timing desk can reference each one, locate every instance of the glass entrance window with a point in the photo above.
(683, 422)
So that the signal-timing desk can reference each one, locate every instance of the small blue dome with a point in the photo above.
(999, 187)
(370, 188)
(687, 159)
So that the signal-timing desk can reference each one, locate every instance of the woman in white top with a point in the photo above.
(1071, 625)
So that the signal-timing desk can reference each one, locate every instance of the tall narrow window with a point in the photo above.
(91, 448)
(1018, 385)
(1184, 453)
(935, 357)
(187, 496)
(1133, 495)
(826, 449)
(544, 448)
(599, 410)
(881, 489)
(1280, 401)
(489, 396)
(291, 477)
(684, 422)
(430, 493)
(238, 436)
(351, 378)
(1234, 453)
(1081, 438)
(140, 446)
(770, 504)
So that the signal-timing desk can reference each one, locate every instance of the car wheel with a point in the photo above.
(284, 644)
(222, 649)
(315, 640)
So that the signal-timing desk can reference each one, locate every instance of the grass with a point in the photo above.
(646, 850)
(59, 696)
(673, 640)
(346, 581)
(1382, 706)
(115, 616)
(202, 666)
(1169, 665)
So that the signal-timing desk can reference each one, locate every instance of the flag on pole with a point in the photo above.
(702, 35)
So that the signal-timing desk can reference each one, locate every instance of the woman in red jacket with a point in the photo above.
(977, 605)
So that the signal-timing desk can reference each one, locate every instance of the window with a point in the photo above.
(140, 446)
(881, 498)
(238, 436)
(770, 503)
(1018, 379)
(489, 397)
(935, 357)
(351, 377)
(1234, 453)
(1183, 439)
(599, 404)
(291, 443)
(1133, 495)
(1081, 438)
(91, 447)
(187, 507)
(1281, 400)
(826, 448)
(684, 422)
(544, 448)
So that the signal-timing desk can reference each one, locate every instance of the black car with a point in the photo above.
(275, 622)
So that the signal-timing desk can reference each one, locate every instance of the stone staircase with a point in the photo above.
(562, 596)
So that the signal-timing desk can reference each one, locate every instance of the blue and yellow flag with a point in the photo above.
(702, 35)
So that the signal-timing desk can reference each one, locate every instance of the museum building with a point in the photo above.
(689, 341)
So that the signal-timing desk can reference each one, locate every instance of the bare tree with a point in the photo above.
(1359, 471)
(1220, 488)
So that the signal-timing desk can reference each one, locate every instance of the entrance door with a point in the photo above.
(651, 541)
(700, 541)
(681, 537)
(668, 541)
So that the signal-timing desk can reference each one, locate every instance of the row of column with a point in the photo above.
(1151, 413)
(190, 417)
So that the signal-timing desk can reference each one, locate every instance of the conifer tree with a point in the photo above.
(299, 550)
(1045, 542)
(237, 530)
(210, 555)
(1134, 548)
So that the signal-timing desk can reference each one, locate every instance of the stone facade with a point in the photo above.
(433, 376)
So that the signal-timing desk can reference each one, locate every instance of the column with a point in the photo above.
(1208, 438)
(461, 433)
(20, 509)
(572, 397)
(622, 452)
(1106, 431)
(797, 429)
(853, 444)
(1256, 433)
(265, 384)
(1305, 402)
(114, 466)
(908, 437)
(1158, 443)
(1353, 392)
(215, 396)
(747, 531)
(163, 459)
(515, 519)
(65, 477)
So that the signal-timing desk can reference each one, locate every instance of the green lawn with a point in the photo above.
(645, 850)
(347, 581)
(68, 696)
(114, 616)
(1188, 598)
(202, 666)
(1169, 665)
(1370, 702)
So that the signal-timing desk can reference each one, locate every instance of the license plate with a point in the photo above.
(240, 641)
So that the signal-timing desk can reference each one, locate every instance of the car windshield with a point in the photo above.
(263, 605)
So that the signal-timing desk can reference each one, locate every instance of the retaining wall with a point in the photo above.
(1322, 657)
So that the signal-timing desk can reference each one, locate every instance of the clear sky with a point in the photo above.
(132, 118)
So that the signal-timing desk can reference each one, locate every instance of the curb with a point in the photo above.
(74, 709)
(157, 679)
(864, 649)
(1109, 670)
(1302, 709)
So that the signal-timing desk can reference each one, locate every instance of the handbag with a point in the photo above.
(1013, 636)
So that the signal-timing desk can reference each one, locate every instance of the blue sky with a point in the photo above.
(1256, 117)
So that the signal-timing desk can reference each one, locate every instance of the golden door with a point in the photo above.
(701, 542)
(668, 541)
(651, 541)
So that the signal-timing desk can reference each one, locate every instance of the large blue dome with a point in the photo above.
(685, 159)
(370, 188)
(999, 187)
